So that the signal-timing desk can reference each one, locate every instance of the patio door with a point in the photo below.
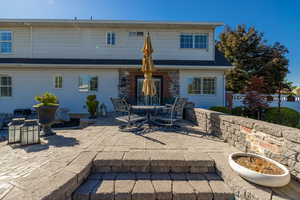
(141, 99)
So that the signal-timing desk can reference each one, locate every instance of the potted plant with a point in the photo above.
(259, 169)
(92, 105)
(46, 109)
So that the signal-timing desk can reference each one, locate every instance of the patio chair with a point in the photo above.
(174, 114)
(123, 110)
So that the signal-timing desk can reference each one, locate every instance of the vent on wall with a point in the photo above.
(136, 34)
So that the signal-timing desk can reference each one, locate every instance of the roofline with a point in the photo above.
(98, 66)
(93, 22)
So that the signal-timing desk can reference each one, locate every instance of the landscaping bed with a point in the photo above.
(259, 165)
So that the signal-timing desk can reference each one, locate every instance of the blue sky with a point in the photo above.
(278, 19)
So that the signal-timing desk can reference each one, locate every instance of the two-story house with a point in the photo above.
(76, 58)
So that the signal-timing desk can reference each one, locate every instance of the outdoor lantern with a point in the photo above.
(30, 132)
(14, 130)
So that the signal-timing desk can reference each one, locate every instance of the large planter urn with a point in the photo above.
(269, 180)
(46, 115)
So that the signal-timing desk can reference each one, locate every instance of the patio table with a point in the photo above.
(149, 110)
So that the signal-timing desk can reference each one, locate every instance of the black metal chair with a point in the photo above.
(173, 114)
(123, 110)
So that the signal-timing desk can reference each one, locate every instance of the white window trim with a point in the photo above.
(193, 34)
(110, 45)
(201, 89)
(89, 89)
(12, 42)
(136, 36)
(12, 87)
(54, 82)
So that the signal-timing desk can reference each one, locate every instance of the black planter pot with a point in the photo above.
(46, 116)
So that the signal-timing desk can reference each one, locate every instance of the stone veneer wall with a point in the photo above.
(280, 143)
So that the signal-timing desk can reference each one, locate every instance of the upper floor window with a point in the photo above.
(196, 41)
(110, 38)
(5, 41)
(88, 83)
(5, 86)
(58, 82)
(202, 85)
(136, 34)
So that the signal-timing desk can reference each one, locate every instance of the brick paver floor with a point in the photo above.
(55, 152)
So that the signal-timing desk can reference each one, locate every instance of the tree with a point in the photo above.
(254, 100)
(251, 56)
(297, 91)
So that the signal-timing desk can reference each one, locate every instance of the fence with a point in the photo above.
(237, 100)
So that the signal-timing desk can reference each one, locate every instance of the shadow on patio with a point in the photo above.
(55, 141)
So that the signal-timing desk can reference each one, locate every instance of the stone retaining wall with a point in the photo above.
(280, 143)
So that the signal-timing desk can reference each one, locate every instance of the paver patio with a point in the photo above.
(29, 172)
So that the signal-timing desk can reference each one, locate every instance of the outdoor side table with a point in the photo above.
(30, 132)
(14, 130)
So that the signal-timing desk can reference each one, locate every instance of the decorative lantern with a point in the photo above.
(30, 132)
(14, 130)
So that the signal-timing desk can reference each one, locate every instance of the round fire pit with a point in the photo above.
(259, 169)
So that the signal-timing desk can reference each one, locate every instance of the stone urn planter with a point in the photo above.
(46, 109)
(46, 115)
(259, 169)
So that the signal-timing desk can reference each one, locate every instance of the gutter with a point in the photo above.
(82, 66)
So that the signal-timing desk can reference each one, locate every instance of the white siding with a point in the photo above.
(91, 43)
(27, 84)
(203, 100)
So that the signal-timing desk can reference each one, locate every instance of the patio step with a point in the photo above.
(154, 162)
(153, 186)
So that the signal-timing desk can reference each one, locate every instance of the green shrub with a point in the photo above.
(287, 116)
(92, 105)
(47, 99)
(220, 109)
(238, 111)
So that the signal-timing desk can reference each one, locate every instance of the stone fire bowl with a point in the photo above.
(259, 178)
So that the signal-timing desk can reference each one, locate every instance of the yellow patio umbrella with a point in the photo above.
(148, 68)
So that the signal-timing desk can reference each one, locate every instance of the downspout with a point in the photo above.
(31, 42)
(224, 90)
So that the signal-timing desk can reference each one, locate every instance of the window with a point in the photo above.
(201, 41)
(136, 34)
(88, 83)
(5, 86)
(110, 38)
(5, 41)
(194, 86)
(202, 85)
(209, 85)
(58, 82)
(186, 41)
(196, 41)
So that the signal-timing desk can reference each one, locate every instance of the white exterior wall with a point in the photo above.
(203, 100)
(43, 42)
(27, 84)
